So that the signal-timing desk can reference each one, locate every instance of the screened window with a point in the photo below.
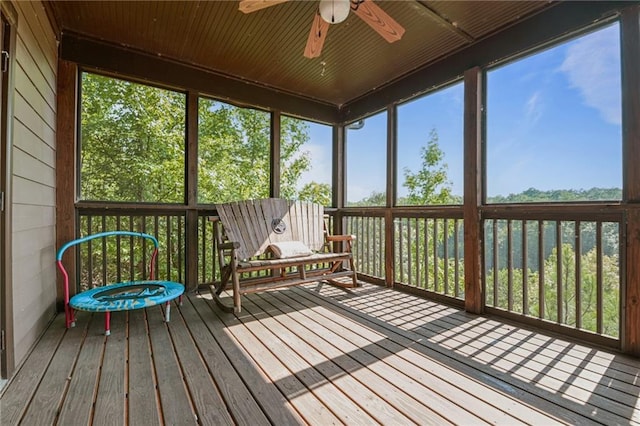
(366, 161)
(554, 123)
(430, 148)
(233, 152)
(132, 144)
(306, 160)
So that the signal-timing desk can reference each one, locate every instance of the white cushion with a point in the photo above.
(285, 249)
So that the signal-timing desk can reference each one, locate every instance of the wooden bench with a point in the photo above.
(270, 243)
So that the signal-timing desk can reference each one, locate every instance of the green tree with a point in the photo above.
(374, 199)
(132, 140)
(316, 192)
(430, 184)
(133, 147)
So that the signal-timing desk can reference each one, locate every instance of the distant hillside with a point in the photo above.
(533, 195)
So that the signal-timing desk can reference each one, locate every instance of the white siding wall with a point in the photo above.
(33, 176)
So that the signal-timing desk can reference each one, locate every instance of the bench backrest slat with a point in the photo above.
(257, 223)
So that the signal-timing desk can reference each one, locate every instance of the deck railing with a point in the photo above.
(368, 248)
(560, 267)
(102, 262)
(556, 265)
(428, 247)
(429, 254)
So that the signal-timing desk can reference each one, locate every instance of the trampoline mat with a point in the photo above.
(126, 296)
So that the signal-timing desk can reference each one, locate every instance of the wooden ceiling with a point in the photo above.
(266, 47)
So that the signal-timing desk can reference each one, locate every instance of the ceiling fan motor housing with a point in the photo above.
(334, 11)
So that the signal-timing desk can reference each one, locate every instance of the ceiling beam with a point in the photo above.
(557, 21)
(444, 22)
(125, 62)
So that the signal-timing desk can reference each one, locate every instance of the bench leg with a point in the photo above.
(107, 323)
(236, 294)
(236, 284)
(355, 275)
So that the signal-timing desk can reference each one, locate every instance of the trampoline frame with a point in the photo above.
(86, 302)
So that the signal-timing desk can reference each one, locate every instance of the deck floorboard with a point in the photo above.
(316, 354)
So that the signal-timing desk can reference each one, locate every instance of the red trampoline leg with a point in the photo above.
(107, 323)
(70, 317)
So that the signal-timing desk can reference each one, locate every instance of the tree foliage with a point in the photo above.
(429, 185)
(132, 140)
(133, 147)
(533, 195)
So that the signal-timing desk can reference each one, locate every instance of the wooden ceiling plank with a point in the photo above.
(248, 6)
(379, 20)
(317, 35)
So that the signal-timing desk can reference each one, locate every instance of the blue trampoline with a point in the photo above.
(126, 296)
(119, 296)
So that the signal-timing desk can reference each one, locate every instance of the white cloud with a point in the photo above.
(533, 108)
(592, 66)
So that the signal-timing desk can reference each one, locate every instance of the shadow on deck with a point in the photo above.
(320, 355)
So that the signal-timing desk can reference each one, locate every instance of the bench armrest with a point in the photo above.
(229, 245)
(332, 238)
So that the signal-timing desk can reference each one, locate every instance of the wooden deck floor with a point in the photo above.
(317, 355)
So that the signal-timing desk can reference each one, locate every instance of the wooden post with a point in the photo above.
(630, 44)
(392, 154)
(191, 219)
(389, 252)
(389, 229)
(275, 172)
(473, 190)
(66, 167)
(339, 177)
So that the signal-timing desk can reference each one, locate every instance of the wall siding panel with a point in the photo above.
(33, 176)
(23, 138)
(30, 168)
(27, 217)
(25, 115)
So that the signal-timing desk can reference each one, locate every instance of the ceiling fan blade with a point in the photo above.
(378, 19)
(248, 6)
(318, 33)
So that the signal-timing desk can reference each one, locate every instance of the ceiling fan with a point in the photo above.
(334, 12)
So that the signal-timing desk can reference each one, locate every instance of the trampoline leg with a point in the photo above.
(180, 300)
(167, 312)
(69, 316)
(107, 323)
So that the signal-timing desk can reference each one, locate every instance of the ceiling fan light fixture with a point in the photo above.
(334, 11)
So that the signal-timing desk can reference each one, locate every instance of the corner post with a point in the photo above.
(66, 167)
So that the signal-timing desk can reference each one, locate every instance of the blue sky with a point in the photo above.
(553, 122)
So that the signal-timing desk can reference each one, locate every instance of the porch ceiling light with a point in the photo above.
(334, 11)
